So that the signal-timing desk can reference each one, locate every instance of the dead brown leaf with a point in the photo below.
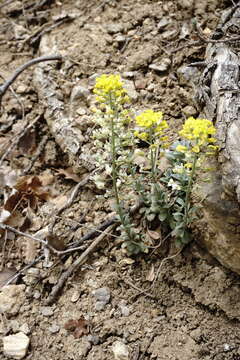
(155, 235)
(79, 327)
(25, 195)
(56, 242)
(69, 174)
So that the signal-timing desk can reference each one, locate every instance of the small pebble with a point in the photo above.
(120, 39)
(47, 311)
(162, 67)
(125, 311)
(129, 74)
(170, 34)
(75, 296)
(114, 28)
(163, 23)
(93, 339)
(189, 111)
(102, 296)
(54, 328)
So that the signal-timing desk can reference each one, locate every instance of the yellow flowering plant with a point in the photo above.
(151, 129)
(166, 196)
(112, 140)
(198, 137)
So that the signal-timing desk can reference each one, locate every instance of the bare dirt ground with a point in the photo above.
(192, 310)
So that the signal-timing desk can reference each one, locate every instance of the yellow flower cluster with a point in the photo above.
(110, 87)
(153, 124)
(199, 132)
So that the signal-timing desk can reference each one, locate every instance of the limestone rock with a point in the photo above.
(218, 230)
(11, 299)
(220, 196)
(16, 345)
(120, 351)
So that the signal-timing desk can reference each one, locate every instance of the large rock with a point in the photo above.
(218, 230)
(220, 226)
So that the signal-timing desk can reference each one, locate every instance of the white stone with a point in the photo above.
(25, 329)
(75, 296)
(54, 328)
(11, 299)
(47, 311)
(16, 345)
(120, 351)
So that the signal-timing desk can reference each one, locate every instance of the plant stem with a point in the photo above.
(189, 188)
(114, 168)
(153, 155)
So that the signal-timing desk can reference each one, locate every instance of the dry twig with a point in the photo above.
(21, 271)
(9, 82)
(75, 266)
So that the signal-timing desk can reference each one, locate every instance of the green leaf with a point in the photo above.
(180, 201)
(186, 238)
(178, 216)
(172, 223)
(163, 215)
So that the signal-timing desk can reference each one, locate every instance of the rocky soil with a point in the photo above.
(162, 305)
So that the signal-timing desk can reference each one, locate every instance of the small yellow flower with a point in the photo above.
(153, 125)
(143, 136)
(188, 165)
(149, 118)
(212, 147)
(195, 149)
(181, 148)
(110, 87)
(198, 130)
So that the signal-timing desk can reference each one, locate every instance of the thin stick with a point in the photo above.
(5, 86)
(18, 232)
(21, 271)
(6, 3)
(75, 266)
(45, 243)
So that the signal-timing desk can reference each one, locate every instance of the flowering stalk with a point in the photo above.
(151, 130)
(111, 95)
(198, 134)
